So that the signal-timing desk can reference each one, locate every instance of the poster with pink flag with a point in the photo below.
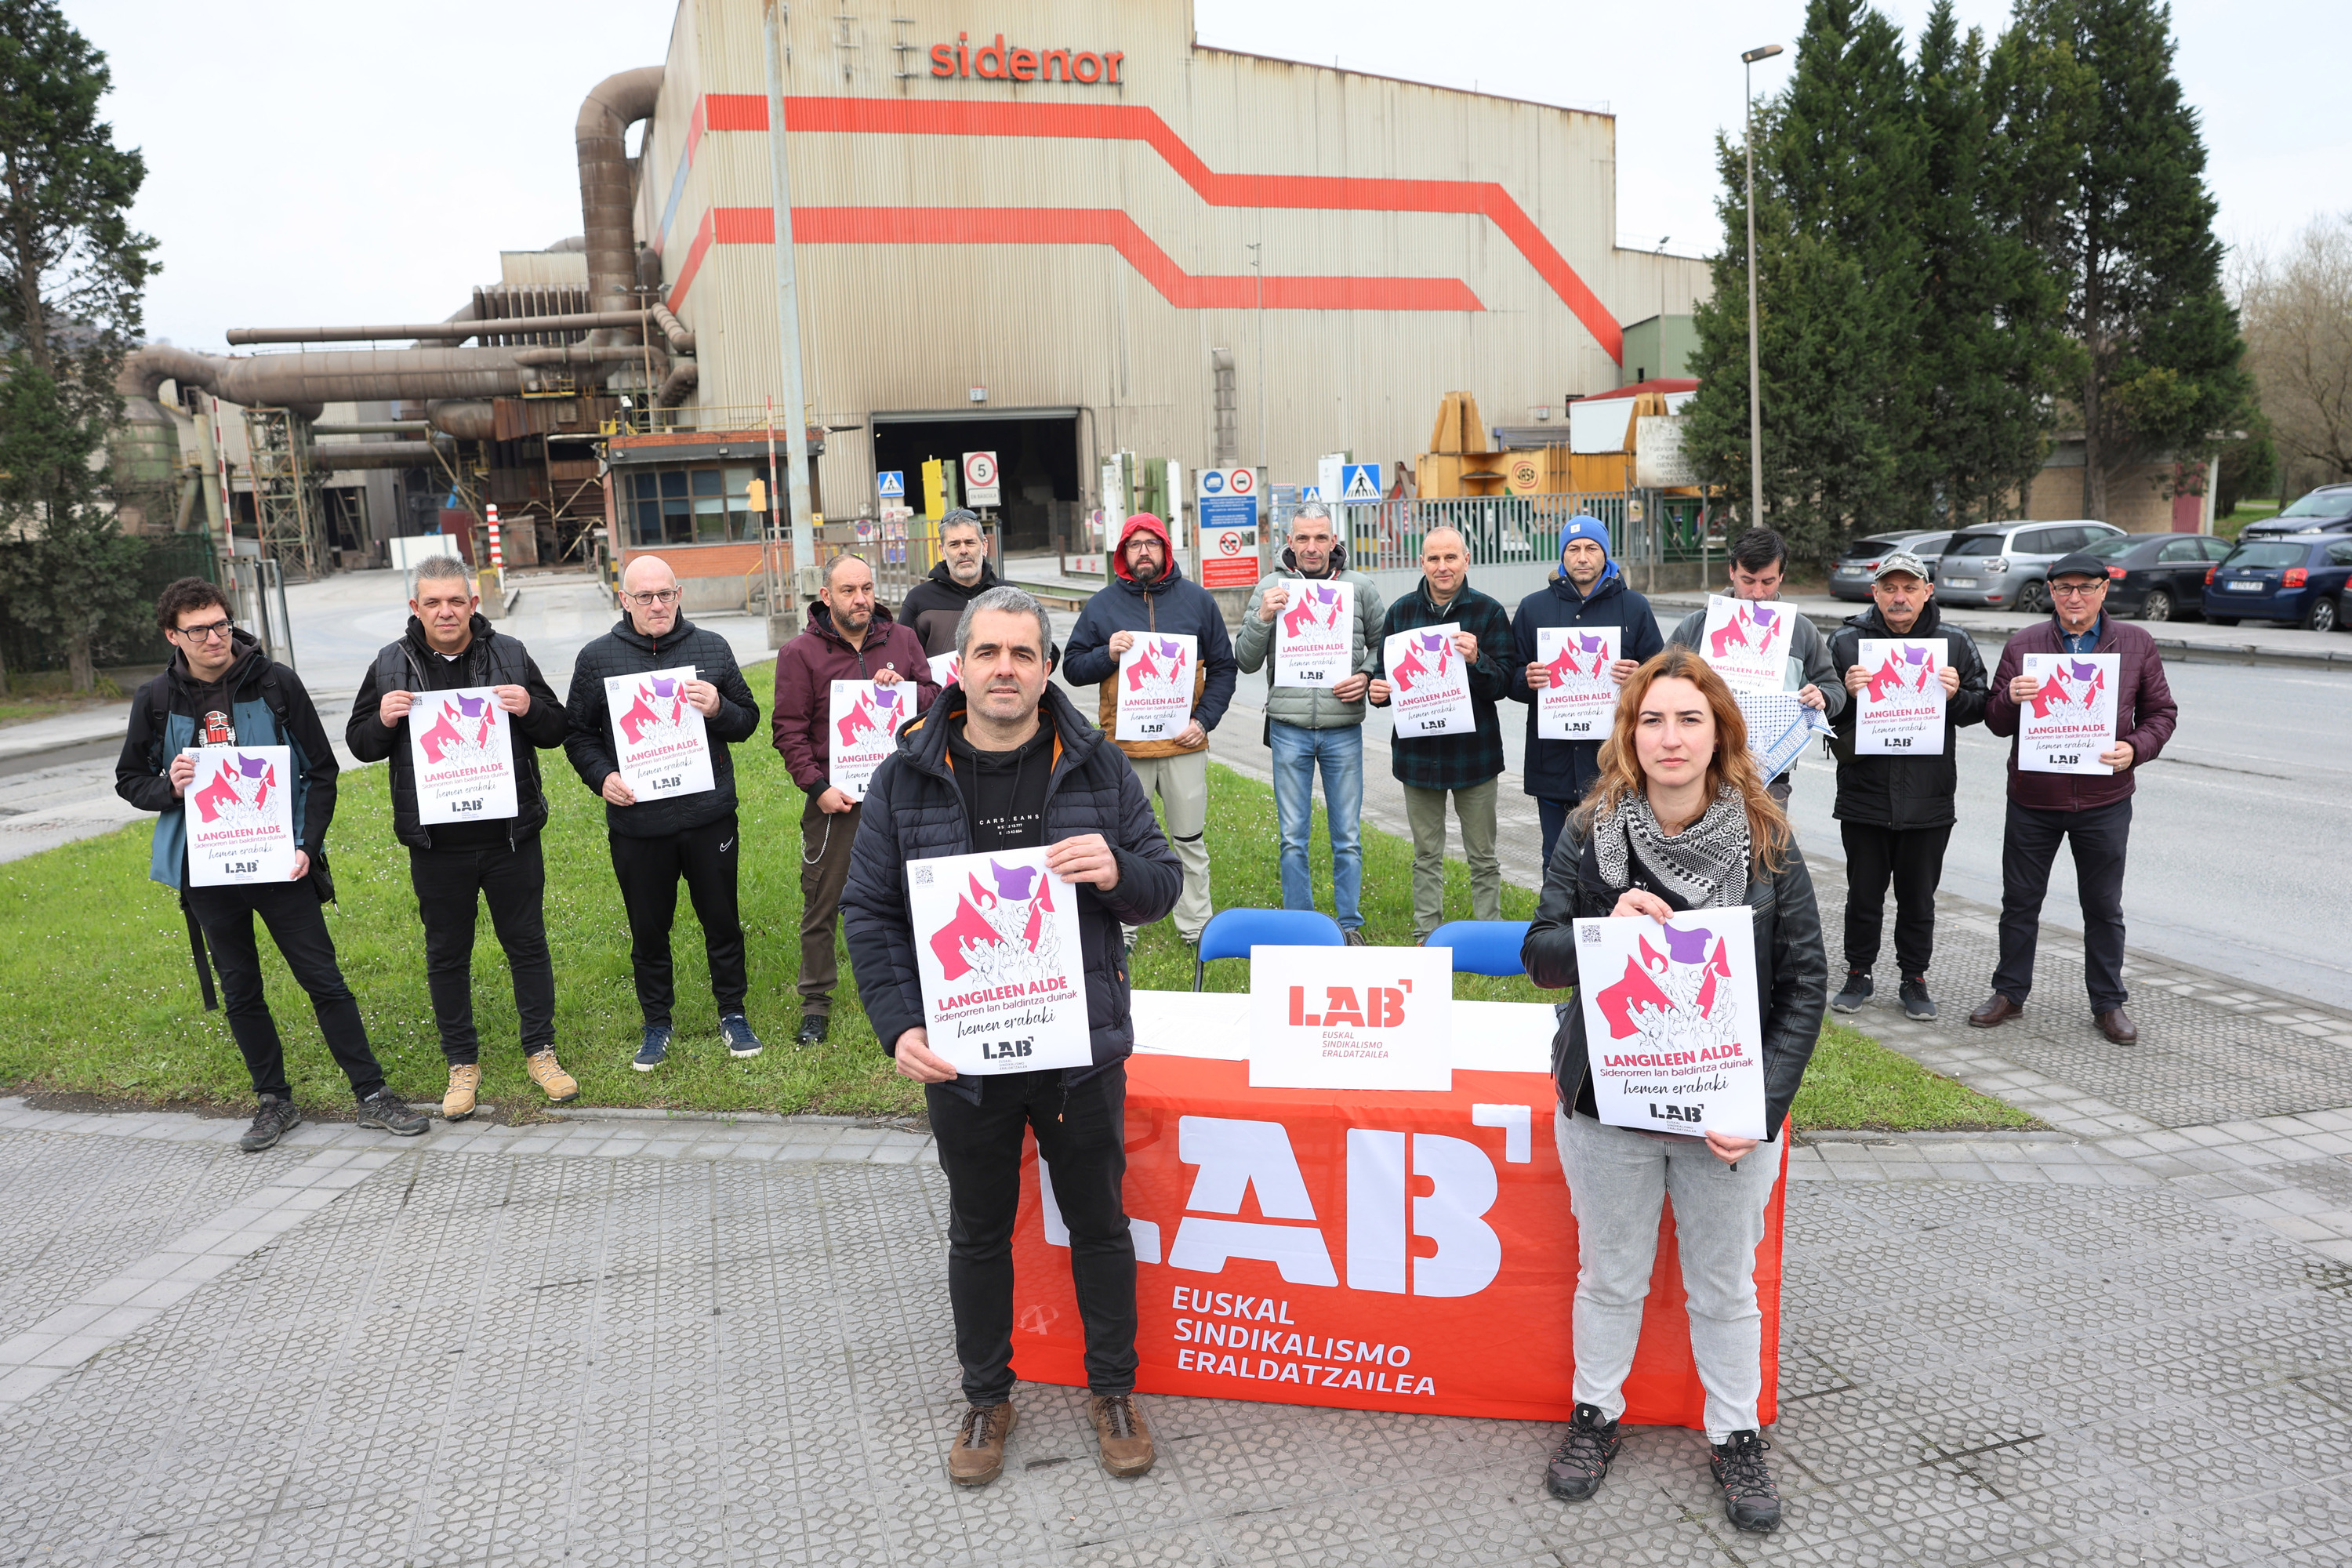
(657, 735)
(861, 728)
(1578, 701)
(1674, 1032)
(946, 669)
(1429, 686)
(1155, 686)
(1747, 643)
(2063, 727)
(1315, 636)
(240, 815)
(1900, 712)
(996, 950)
(461, 748)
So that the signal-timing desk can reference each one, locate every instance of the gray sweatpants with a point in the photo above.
(1618, 1180)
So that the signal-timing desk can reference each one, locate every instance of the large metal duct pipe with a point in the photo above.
(676, 385)
(680, 340)
(309, 381)
(375, 428)
(328, 457)
(580, 322)
(467, 419)
(608, 199)
(582, 353)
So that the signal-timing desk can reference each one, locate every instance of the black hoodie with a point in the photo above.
(935, 605)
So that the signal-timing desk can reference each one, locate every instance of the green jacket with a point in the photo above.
(1307, 707)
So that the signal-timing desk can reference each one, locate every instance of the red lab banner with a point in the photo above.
(1363, 1250)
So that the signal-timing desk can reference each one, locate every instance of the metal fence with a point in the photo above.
(1513, 540)
(135, 641)
(900, 551)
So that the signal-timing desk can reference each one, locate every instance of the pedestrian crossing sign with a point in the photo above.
(1359, 481)
(892, 485)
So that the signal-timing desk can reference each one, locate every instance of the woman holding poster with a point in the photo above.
(1678, 821)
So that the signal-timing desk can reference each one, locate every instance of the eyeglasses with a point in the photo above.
(2077, 590)
(217, 630)
(648, 601)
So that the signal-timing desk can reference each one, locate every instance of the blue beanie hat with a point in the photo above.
(1584, 525)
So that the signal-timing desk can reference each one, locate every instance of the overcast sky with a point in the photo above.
(315, 163)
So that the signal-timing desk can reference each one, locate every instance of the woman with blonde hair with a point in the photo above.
(1679, 819)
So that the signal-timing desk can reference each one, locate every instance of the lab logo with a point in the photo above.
(1315, 607)
(1162, 664)
(1750, 627)
(1681, 997)
(2071, 683)
(876, 713)
(1428, 653)
(240, 788)
(464, 729)
(657, 711)
(1905, 671)
(1583, 658)
(1001, 934)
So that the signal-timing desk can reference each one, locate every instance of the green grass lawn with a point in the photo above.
(102, 997)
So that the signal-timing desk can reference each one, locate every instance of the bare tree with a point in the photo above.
(2297, 308)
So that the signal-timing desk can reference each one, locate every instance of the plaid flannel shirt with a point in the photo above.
(1455, 761)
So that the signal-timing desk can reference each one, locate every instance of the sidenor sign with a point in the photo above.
(996, 62)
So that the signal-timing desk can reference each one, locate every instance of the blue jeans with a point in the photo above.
(1340, 751)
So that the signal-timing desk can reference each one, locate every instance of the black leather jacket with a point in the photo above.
(1792, 979)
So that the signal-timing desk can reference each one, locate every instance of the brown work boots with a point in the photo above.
(978, 1457)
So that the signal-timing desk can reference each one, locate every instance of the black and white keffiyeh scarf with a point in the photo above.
(1704, 867)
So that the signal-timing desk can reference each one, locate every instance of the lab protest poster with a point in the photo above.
(657, 735)
(1674, 1032)
(997, 948)
(1747, 642)
(2063, 727)
(1900, 711)
(1429, 686)
(1317, 644)
(1155, 686)
(946, 669)
(1578, 699)
(862, 728)
(240, 816)
(461, 749)
(1352, 1018)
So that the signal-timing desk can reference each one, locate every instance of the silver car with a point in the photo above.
(1849, 579)
(2007, 565)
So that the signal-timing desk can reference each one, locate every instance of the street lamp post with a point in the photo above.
(1755, 384)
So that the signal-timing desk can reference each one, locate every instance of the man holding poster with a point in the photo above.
(1583, 632)
(1064, 853)
(462, 712)
(1679, 842)
(851, 649)
(2050, 801)
(221, 699)
(673, 665)
(1320, 723)
(1915, 679)
(1451, 628)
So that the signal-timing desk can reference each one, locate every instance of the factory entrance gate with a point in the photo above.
(1037, 452)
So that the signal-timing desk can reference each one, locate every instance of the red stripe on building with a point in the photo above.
(1122, 122)
(1081, 225)
(693, 255)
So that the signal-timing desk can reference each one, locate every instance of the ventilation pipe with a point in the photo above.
(676, 385)
(582, 353)
(608, 193)
(467, 419)
(328, 457)
(306, 381)
(578, 322)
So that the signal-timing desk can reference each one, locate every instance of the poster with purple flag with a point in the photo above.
(1155, 686)
(1672, 1028)
(657, 735)
(1578, 701)
(996, 947)
(1429, 686)
(2063, 727)
(240, 815)
(862, 728)
(461, 748)
(1747, 641)
(1317, 644)
(1900, 712)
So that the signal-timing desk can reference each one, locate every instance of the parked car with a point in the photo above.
(2156, 576)
(1851, 577)
(2327, 510)
(2007, 565)
(2297, 579)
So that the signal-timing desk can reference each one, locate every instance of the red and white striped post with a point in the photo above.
(498, 558)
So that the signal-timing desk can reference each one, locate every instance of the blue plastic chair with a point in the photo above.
(1231, 933)
(1483, 947)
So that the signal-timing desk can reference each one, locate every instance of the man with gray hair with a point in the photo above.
(455, 866)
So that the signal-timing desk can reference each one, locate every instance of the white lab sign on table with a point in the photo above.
(1352, 1018)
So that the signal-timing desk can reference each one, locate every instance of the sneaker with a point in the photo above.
(457, 1102)
(1580, 1463)
(736, 1030)
(1916, 1002)
(656, 1047)
(1121, 1431)
(387, 1113)
(978, 1457)
(1356, 938)
(815, 1026)
(1749, 1498)
(1858, 986)
(549, 1074)
(274, 1120)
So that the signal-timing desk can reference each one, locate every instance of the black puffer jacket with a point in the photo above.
(1905, 791)
(624, 650)
(915, 812)
(490, 659)
(1792, 974)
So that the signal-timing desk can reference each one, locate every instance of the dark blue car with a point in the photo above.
(2301, 581)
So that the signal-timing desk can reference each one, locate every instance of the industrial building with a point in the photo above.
(1057, 231)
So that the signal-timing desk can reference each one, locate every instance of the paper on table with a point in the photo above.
(1352, 1018)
